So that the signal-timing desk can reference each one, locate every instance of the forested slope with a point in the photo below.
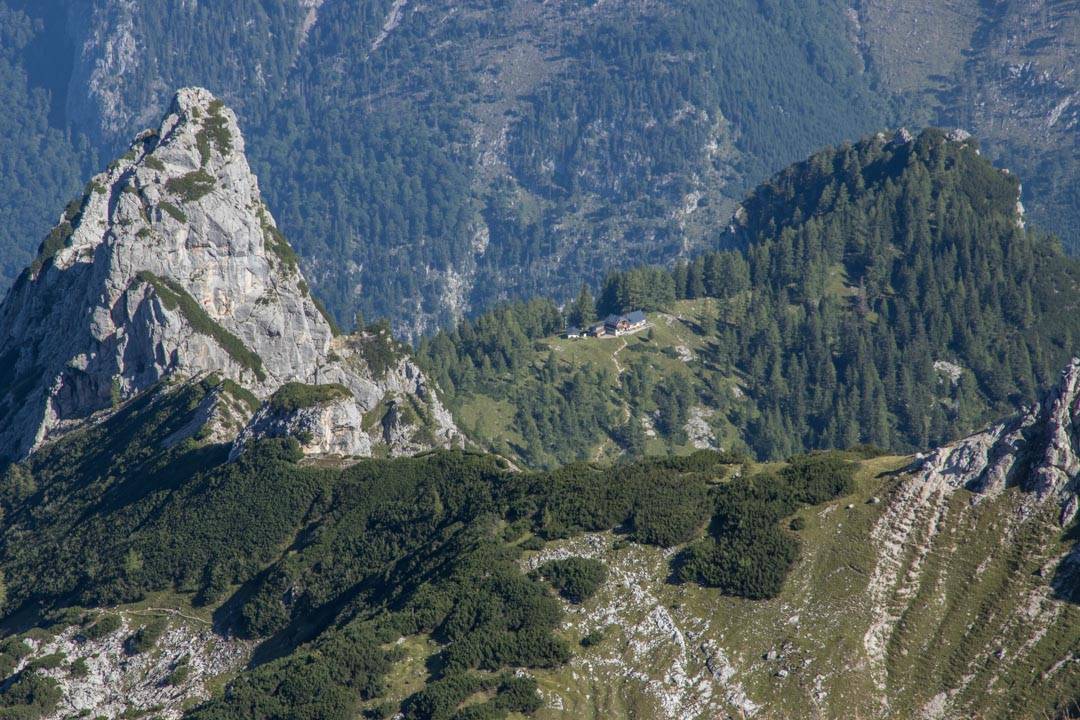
(41, 164)
(1004, 71)
(885, 292)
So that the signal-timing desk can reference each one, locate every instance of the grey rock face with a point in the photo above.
(391, 411)
(958, 135)
(1039, 450)
(170, 263)
(330, 428)
(1056, 462)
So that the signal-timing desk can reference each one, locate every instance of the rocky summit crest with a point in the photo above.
(171, 264)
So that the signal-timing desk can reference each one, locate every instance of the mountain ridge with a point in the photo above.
(966, 543)
(550, 143)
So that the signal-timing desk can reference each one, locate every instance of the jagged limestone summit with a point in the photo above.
(170, 265)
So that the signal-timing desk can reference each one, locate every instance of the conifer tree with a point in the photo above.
(583, 310)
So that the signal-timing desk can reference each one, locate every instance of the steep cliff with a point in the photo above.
(169, 263)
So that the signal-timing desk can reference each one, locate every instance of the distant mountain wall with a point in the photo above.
(430, 159)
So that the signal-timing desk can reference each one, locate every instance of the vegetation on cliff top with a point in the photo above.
(293, 396)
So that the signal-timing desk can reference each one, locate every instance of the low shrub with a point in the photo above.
(28, 696)
(293, 396)
(191, 186)
(577, 579)
(748, 555)
(106, 625)
(175, 212)
(179, 674)
(594, 638)
(145, 638)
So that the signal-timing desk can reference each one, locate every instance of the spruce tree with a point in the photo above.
(583, 310)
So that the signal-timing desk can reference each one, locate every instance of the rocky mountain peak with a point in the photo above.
(170, 262)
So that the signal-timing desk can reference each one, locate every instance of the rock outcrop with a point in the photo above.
(168, 264)
(330, 426)
(1022, 472)
(372, 399)
(111, 681)
(1038, 450)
